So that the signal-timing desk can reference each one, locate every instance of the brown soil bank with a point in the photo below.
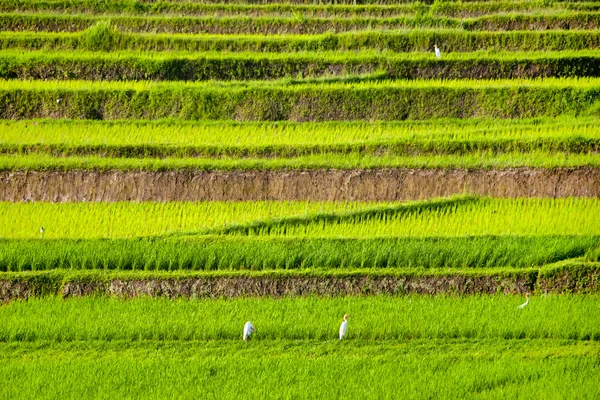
(567, 277)
(366, 185)
(231, 287)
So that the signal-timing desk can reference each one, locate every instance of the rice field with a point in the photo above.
(213, 102)
(444, 218)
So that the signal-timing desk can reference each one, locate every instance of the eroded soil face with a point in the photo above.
(320, 185)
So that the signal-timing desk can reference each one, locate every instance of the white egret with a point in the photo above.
(58, 100)
(344, 327)
(438, 53)
(248, 330)
(42, 231)
(526, 301)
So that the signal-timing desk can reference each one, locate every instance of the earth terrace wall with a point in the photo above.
(568, 277)
(23, 286)
(321, 185)
(318, 102)
(247, 67)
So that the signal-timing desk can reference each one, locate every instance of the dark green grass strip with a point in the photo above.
(130, 66)
(241, 253)
(305, 9)
(319, 102)
(400, 41)
(271, 25)
(567, 145)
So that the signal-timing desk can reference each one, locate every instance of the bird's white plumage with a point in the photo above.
(438, 53)
(343, 329)
(526, 301)
(248, 330)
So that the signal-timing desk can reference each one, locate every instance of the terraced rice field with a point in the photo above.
(172, 169)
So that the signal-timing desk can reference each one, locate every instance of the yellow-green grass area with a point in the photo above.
(398, 41)
(475, 161)
(246, 136)
(419, 347)
(461, 216)
(295, 9)
(131, 219)
(578, 83)
(461, 232)
(170, 145)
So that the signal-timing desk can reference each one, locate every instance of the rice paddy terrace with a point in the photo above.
(172, 169)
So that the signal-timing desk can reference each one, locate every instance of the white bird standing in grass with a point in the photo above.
(526, 301)
(248, 330)
(344, 327)
(42, 231)
(438, 53)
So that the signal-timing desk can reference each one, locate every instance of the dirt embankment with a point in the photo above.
(366, 185)
(231, 287)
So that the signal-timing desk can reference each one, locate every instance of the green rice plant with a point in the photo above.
(311, 318)
(320, 9)
(251, 254)
(421, 40)
(295, 25)
(128, 219)
(459, 217)
(268, 66)
(311, 369)
(298, 100)
(101, 37)
(288, 139)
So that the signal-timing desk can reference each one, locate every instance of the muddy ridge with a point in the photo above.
(319, 185)
(232, 287)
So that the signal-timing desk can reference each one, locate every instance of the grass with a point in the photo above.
(421, 40)
(463, 232)
(253, 254)
(338, 9)
(365, 82)
(349, 98)
(372, 318)
(129, 219)
(475, 161)
(307, 369)
(267, 66)
(460, 216)
(231, 138)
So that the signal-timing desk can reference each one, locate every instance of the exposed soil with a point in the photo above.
(366, 185)
(231, 287)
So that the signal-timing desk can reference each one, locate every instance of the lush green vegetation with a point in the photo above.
(455, 233)
(255, 66)
(221, 253)
(285, 9)
(372, 318)
(178, 145)
(419, 369)
(422, 40)
(285, 139)
(345, 86)
(460, 216)
(365, 98)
